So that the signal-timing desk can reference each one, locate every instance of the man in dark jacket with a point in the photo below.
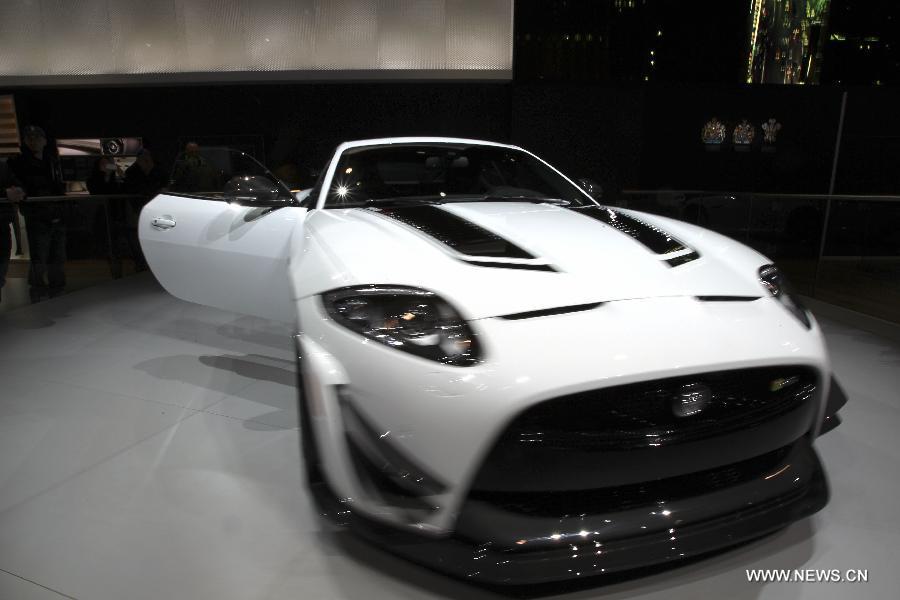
(10, 195)
(144, 178)
(38, 171)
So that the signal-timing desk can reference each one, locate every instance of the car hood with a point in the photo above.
(505, 258)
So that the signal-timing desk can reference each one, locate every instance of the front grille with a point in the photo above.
(620, 498)
(644, 415)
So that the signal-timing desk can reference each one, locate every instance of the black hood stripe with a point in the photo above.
(652, 237)
(463, 236)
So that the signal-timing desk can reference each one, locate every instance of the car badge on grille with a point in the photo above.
(781, 383)
(691, 399)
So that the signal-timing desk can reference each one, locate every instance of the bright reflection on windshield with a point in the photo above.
(444, 173)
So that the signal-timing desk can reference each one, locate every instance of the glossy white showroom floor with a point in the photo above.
(149, 449)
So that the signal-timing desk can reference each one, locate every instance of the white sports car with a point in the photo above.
(501, 378)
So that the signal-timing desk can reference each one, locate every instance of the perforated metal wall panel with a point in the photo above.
(149, 40)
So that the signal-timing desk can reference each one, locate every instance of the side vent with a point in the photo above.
(384, 470)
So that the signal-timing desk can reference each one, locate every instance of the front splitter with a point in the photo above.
(494, 546)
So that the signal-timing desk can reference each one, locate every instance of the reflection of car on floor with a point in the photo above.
(501, 378)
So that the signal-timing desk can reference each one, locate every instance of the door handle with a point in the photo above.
(164, 222)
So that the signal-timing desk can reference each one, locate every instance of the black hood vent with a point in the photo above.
(463, 236)
(682, 258)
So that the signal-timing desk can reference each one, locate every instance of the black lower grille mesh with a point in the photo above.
(619, 498)
(646, 414)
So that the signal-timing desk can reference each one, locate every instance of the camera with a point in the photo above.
(120, 146)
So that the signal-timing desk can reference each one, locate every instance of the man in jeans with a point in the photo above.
(36, 168)
(11, 193)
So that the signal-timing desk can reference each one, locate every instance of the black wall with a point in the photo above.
(673, 155)
(625, 137)
(592, 131)
(869, 161)
(299, 123)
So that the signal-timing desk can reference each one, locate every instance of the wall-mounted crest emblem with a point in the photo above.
(744, 134)
(770, 130)
(713, 132)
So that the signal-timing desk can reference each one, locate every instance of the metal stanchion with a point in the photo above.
(827, 216)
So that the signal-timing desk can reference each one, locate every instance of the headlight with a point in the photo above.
(774, 281)
(405, 318)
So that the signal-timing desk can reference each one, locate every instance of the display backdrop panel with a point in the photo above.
(9, 126)
(73, 41)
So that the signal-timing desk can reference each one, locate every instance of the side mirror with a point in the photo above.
(590, 186)
(254, 190)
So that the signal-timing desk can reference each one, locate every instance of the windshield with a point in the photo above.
(207, 171)
(444, 173)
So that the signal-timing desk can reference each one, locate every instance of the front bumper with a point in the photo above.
(498, 545)
(448, 418)
(440, 424)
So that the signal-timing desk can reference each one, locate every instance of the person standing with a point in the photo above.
(194, 173)
(39, 173)
(104, 177)
(10, 190)
(144, 179)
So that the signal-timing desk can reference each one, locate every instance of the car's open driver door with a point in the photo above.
(222, 236)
